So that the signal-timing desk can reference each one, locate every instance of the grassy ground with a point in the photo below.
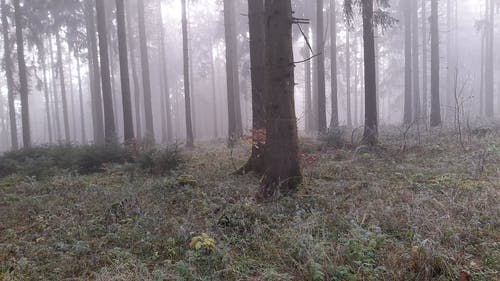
(424, 210)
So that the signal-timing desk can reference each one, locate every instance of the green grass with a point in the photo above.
(423, 213)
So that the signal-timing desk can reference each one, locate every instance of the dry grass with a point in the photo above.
(425, 210)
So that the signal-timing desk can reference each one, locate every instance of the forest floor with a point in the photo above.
(427, 210)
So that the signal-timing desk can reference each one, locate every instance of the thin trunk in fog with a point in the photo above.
(348, 78)
(80, 97)
(425, 102)
(72, 94)
(334, 122)
(128, 123)
(187, 98)
(408, 108)
(107, 98)
(23, 76)
(282, 170)
(482, 72)
(371, 126)
(191, 78)
(257, 31)
(8, 66)
(489, 69)
(234, 107)
(415, 63)
(214, 91)
(314, 69)
(97, 109)
(62, 83)
(53, 69)
(164, 78)
(42, 55)
(149, 135)
(435, 118)
(135, 77)
(308, 119)
(320, 50)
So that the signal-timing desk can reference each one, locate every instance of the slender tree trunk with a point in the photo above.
(135, 78)
(8, 67)
(416, 63)
(435, 119)
(425, 102)
(320, 47)
(67, 136)
(489, 69)
(80, 97)
(128, 123)
(46, 93)
(53, 69)
(107, 95)
(282, 159)
(481, 82)
(97, 107)
(307, 91)
(149, 135)
(234, 107)
(257, 61)
(348, 78)
(23, 76)
(334, 122)
(72, 94)
(166, 88)
(408, 104)
(187, 98)
(214, 89)
(371, 127)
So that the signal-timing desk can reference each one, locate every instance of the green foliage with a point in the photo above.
(159, 161)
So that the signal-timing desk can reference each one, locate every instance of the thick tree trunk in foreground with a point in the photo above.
(107, 95)
(187, 98)
(282, 159)
(334, 121)
(128, 123)
(435, 118)
(23, 76)
(257, 61)
(149, 135)
(8, 66)
(371, 126)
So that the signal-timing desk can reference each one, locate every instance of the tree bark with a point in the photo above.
(8, 67)
(149, 135)
(348, 78)
(187, 98)
(435, 118)
(334, 122)
(23, 76)
(489, 65)
(135, 78)
(408, 97)
(80, 97)
(425, 102)
(166, 89)
(107, 95)
(371, 126)
(320, 49)
(282, 172)
(214, 90)
(46, 93)
(62, 81)
(415, 63)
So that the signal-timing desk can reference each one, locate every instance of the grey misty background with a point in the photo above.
(468, 61)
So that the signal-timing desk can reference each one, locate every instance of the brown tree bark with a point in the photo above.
(282, 172)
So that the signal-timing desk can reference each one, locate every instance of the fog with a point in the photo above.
(467, 59)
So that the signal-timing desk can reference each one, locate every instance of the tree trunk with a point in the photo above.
(425, 102)
(408, 104)
(308, 119)
(282, 151)
(320, 49)
(435, 119)
(72, 94)
(371, 127)
(257, 64)
(135, 78)
(107, 95)
(214, 91)
(489, 69)
(149, 136)
(415, 63)
(128, 123)
(334, 122)
(62, 81)
(53, 69)
(97, 110)
(23, 76)
(348, 78)
(234, 107)
(187, 98)
(80, 97)
(46, 93)
(8, 67)
(166, 88)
